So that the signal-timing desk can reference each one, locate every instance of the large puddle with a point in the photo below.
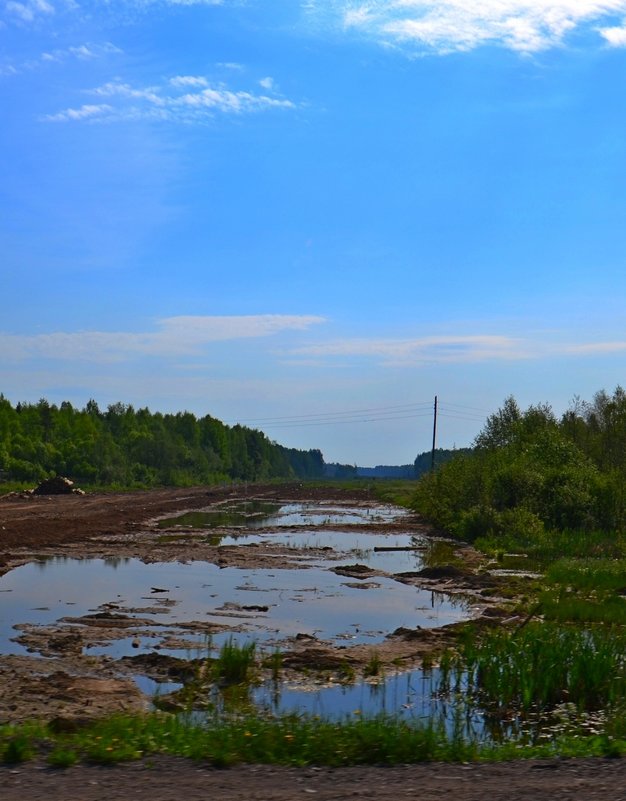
(190, 608)
(262, 514)
(264, 605)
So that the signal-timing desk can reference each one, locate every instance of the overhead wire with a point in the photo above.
(405, 407)
(375, 414)
(464, 407)
(348, 421)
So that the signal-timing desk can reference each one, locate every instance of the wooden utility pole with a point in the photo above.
(432, 458)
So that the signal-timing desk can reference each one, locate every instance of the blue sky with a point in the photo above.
(313, 217)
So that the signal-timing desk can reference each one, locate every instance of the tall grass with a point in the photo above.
(550, 545)
(543, 665)
(234, 663)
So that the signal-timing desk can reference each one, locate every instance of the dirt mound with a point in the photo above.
(58, 485)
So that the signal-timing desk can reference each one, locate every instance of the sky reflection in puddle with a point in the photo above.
(414, 696)
(410, 694)
(341, 545)
(260, 514)
(312, 601)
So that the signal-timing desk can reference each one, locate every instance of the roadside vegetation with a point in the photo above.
(551, 487)
(550, 492)
(287, 741)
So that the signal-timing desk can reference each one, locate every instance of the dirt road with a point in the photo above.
(167, 779)
(39, 520)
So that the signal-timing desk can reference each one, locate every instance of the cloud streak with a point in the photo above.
(182, 98)
(185, 336)
(175, 337)
(82, 52)
(28, 10)
(460, 349)
(445, 26)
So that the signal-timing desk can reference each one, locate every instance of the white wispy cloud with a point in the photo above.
(28, 10)
(396, 352)
(85, 112)
(83, 52)
(594, 348)
(189, 80)
(174, 336)
(614, 36)
(182, 98)
(451, 349)
(444, 26)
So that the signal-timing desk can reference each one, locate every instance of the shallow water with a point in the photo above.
(265, 606)
(261, 514)
(314, 601)
(353, 546)
(415, 696)
(411, 694)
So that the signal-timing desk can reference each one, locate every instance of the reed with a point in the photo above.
(234, 663)
(543, 665)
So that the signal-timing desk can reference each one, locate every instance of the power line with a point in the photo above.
(347, 421)
(322, 415)
(462, 417)
(376, 414)
(470, 408)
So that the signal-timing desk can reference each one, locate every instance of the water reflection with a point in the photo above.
(422, 696)
(269, 605)
(262, 514)
(414, 696)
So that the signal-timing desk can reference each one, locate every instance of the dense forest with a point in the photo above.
(532, 476)
(127, 447)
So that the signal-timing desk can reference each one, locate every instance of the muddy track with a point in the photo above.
(43, 521)
(107, 521)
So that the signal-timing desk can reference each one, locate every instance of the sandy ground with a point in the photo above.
(71, 685)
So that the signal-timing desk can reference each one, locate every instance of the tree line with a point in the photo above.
(126, 447)
(530, 473)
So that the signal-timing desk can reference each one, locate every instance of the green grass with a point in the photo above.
(548, 545)
(400, 492)
(286, 741)
(566, 606)
(589, 590)
(597, 575)
(374, 665)
(16, 486)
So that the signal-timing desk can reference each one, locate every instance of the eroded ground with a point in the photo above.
(86, 659)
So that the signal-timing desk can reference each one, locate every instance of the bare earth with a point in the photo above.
(168, 779)
(112, 524)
